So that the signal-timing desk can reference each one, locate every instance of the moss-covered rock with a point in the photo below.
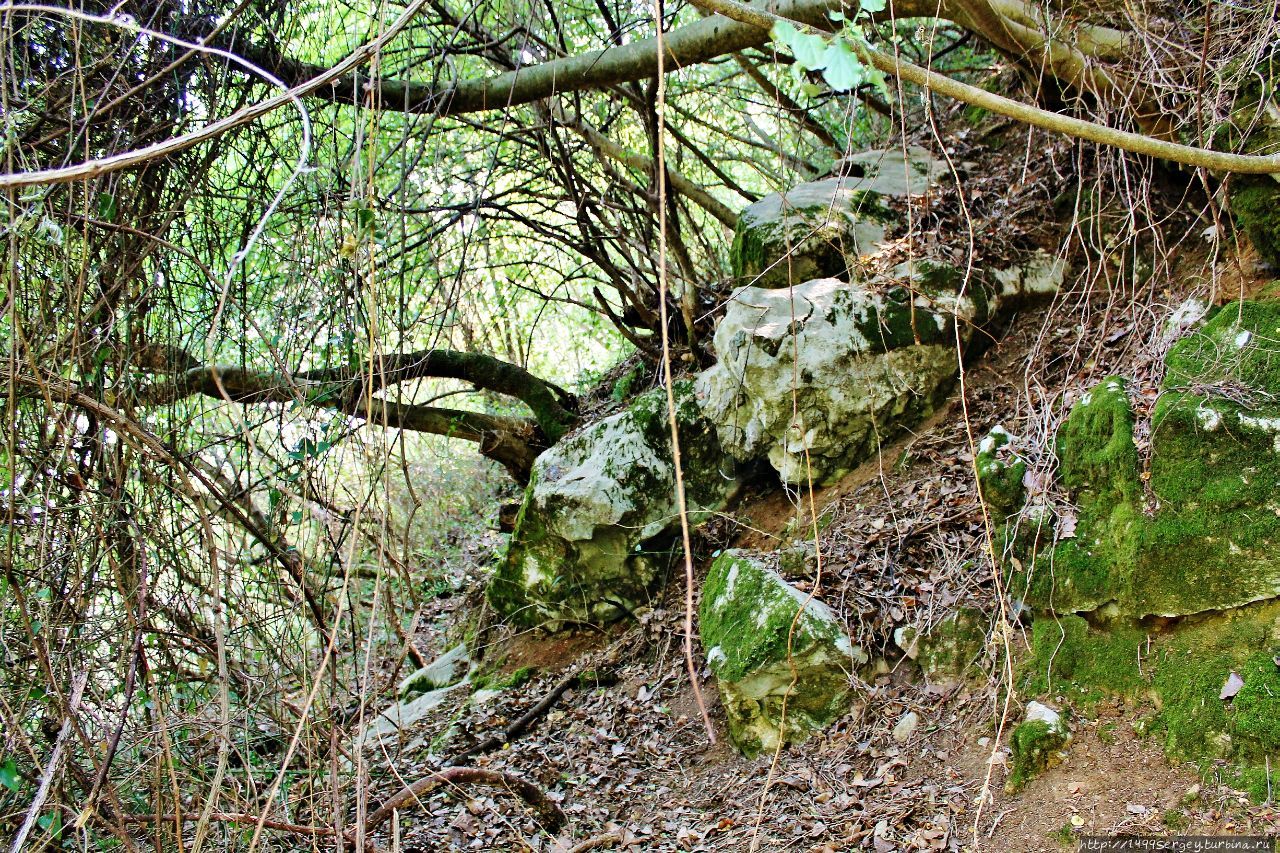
(818, 376)
(1037, 743)
(1169, 588)
(860, 365)
(1000, 474)
(822, 228)
(781, 658)
(1206, 536)
(445, 671)
(1255, 199)
(595, 526)
(1182, 671)
(949, 650)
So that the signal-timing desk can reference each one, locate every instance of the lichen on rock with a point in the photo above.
(594, 529)
(781, 658)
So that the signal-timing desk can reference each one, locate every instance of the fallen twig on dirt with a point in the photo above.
(547, 813)
(515, 729)
(608, 657)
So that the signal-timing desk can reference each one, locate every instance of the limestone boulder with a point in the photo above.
(445, 671)
(595, 528)
(822, 228)
(815, 377)
(760, 664)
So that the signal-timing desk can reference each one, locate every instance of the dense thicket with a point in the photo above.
(241, 378)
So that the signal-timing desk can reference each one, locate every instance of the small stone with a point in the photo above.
(906, 727)
(1037, 743)
(1038, 711)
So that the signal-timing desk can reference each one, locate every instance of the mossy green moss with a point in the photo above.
(626, 384)
(1099, 461)
(1214, 479)
(1203, 546)
(1239, 345)
(1035, 746)
(1255, 200)
(1099, 466)
(1069, 657)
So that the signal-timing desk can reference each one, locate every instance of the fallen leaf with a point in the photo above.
(1231, 687)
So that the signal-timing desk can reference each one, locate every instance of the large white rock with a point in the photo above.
(770, 647)
(821, 228)
(826, 367)
(595, 527)
(817, 376)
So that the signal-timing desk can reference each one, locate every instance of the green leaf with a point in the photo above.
(783, 32)
(810, 51)
(875, 77)
(106, 207)
(843, 69)
(52, 823)
(9, 776)
(873, 6)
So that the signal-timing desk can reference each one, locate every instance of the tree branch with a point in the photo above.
(694, 43)
(513, 442)
(1135, 143)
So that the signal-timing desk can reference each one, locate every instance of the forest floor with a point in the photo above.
(624, 751)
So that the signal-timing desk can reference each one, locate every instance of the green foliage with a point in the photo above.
(9, 777)
(836, 56)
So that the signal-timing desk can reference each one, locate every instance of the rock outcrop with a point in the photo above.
(816, 377)
(782, 660)
(594, 530)
(812, 378)
(948, 651)
(1203, 533)
(821, 229)
(1163, 579)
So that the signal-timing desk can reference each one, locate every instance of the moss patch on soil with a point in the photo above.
(1182, 671)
